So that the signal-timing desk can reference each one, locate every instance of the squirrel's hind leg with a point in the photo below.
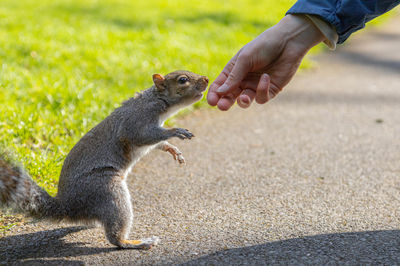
(117, 218)
(117, 230)
(173, 150)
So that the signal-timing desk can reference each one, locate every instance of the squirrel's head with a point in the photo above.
(180, 87)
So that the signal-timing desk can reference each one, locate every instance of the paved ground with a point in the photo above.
(311, 178)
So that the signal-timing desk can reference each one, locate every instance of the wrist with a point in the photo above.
(329, 31)
(299, 33)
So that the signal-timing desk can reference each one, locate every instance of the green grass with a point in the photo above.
(65, 65)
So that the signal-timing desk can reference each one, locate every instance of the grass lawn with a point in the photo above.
(65, 65)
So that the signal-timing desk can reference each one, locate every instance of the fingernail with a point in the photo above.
(223, 88)
(244, 103)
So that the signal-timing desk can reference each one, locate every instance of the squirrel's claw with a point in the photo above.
(183, 133)
(180, 158)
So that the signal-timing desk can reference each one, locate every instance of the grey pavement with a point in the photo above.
(311, 178)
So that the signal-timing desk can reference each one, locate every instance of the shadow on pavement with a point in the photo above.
(371, 247)
(32, 248)
(51, 262)
(329, 96)
(386, 36)
(392, 65)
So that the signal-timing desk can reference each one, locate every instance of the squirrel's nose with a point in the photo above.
(205, 79)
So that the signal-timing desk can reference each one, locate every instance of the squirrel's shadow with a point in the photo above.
(45, 244)
(353, 248)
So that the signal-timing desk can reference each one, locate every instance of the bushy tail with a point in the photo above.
(18, 190)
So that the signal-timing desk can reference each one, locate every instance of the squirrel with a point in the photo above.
(93, 181)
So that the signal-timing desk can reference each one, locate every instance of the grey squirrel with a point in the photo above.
(92, 185)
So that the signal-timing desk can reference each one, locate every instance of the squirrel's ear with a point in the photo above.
(158, 80)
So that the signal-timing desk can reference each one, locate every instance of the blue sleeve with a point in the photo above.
(347, 16)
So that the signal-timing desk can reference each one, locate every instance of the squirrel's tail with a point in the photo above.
(18, 190)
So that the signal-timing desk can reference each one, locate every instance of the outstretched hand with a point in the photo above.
(265, 65)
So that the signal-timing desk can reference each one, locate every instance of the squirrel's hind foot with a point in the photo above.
(174, 151)
(145, 243)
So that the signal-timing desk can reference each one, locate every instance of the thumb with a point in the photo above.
(239, 71)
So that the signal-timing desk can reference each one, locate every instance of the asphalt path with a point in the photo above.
(313, 178)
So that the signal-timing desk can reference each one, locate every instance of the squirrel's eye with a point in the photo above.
(183, 80)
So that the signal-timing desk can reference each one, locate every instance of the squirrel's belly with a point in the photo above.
(136, 154)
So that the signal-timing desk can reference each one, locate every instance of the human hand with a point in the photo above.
(265, 65)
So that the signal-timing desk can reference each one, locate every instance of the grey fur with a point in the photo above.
(92, 185)
(18, 190)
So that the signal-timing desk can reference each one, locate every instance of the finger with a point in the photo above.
(273, 90)
(212, 95)
(262, 93)
(239, 71)
(212, 98)
(250, 82)
(227, 101)
(246, 98)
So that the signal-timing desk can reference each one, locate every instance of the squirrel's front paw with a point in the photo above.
(182, 133)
